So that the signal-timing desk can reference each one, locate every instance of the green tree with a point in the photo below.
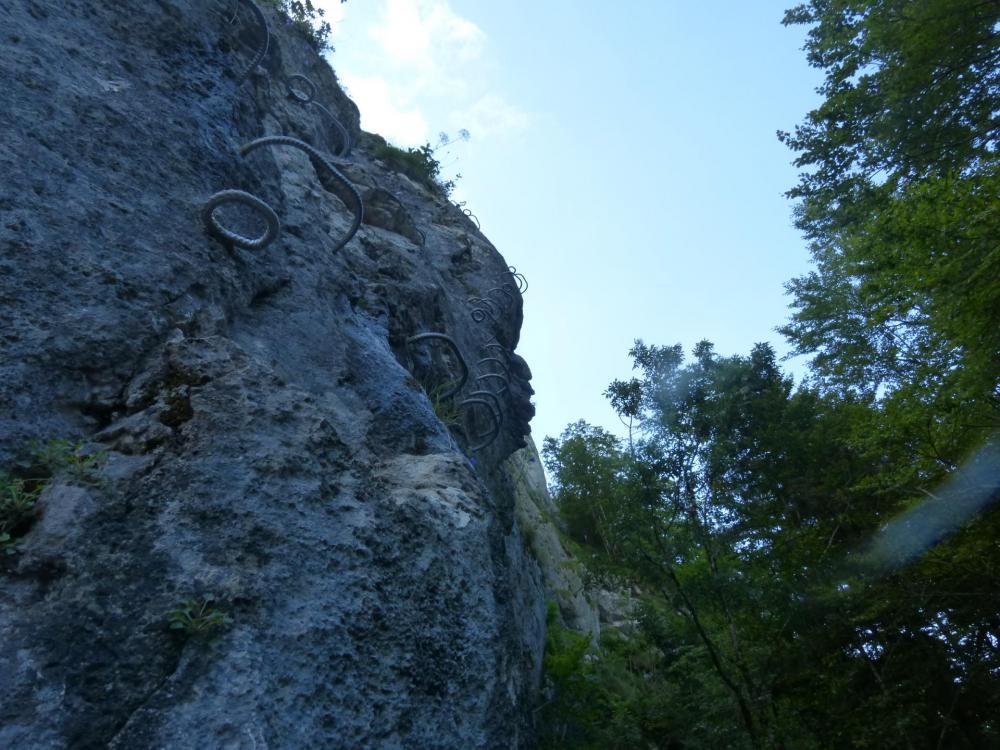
(743, 513)
(587, 465)
(689, 511)
(759, 518)
(912, 91)
(899, 204)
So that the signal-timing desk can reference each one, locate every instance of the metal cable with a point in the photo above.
(486, 303)
(496, 375)
(496, 345)
(309, 97)
(467, 213)
(259, 15)
(318, 160)
(522, 283)
(479, 314)
(345, 138)
(496, 424)
(503, 367)
(297, 95)
(496, 403)
(213, 226)
(508, 298)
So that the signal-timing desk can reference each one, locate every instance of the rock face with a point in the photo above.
(262, 426)
(583, 605)
(563, 575)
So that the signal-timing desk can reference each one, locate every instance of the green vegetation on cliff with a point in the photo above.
(308, 20)
(419, 164)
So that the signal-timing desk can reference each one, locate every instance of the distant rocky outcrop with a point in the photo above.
(278, 541)
(584, 603)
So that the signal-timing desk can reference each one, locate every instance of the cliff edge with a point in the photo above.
(252, 439)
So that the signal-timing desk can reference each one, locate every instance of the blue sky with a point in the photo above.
(622, 156)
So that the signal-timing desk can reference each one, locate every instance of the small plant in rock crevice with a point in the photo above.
(17, 508)
(61, 457)
(197, 616)
(19, 493)
(418, 164)
(8, 545)
(444, 406)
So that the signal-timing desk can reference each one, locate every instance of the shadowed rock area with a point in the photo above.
(263, 430)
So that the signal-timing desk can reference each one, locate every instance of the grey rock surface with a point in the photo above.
(564, 576)
(267, 432)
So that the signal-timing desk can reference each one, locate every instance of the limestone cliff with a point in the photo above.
(562, 574)
(257, 421)
(584, 604)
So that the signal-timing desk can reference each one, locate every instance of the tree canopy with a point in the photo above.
(899, 204)
(818, 564)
